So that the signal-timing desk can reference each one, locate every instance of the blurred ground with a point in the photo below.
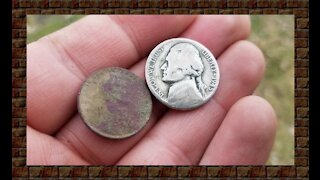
(274, 34)
(41, 25)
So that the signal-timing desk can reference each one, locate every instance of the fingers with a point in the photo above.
(221, 31)
(111, 151)
(58, 63)
(42, 149)
(247, 60)
(181, 137)
(246, 135)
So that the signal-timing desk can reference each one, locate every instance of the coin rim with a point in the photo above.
(95, 129)
(192, 42)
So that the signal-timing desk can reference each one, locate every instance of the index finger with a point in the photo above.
(58, 63)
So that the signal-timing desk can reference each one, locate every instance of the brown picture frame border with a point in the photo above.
(298, 8)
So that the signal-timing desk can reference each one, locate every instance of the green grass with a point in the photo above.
(41, 25)
(273, 34)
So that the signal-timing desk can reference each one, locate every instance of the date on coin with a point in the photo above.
(182, 73)
(114, 103)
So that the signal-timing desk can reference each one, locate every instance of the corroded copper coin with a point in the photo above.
(114, 103)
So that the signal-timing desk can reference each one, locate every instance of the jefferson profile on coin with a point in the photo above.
(183, 70)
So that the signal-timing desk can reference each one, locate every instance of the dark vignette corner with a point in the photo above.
(5, 95)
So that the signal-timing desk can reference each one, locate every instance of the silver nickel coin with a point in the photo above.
(182, 73)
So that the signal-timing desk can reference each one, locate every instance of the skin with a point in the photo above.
(228, 130)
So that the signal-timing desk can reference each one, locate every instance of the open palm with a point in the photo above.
(233, 128)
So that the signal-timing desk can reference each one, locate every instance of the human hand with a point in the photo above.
(233, 128)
